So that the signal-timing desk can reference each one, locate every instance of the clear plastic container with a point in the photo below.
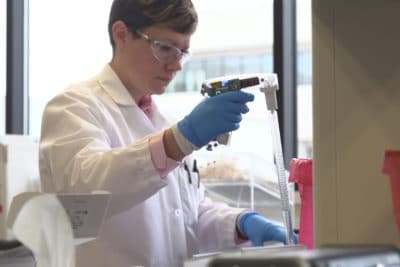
(243, 180)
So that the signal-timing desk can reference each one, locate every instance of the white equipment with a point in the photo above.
(349, 256)
(19, 172)
(37, 229)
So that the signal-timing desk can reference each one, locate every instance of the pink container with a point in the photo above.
(391, 167)
(301, 173)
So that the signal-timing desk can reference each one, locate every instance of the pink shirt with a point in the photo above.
(161, 162)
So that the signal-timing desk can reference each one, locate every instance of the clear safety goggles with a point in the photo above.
(164, 52)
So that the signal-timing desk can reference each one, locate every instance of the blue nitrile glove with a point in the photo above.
(214, 116)
(259, 230)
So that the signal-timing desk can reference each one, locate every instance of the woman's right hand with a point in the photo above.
(214, 116)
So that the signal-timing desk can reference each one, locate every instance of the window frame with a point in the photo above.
(17, 103)
(285, 66)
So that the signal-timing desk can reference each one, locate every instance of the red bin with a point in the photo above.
(391, 167)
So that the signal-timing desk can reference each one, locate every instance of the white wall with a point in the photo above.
(356, 117)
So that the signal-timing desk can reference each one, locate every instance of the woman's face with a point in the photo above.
(141, 63)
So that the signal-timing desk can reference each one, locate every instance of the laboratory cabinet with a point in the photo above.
(356, 96)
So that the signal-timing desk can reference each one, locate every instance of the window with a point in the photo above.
(304, 78)
(3, 63)
(68, 42)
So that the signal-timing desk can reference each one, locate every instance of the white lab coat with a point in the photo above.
(95, 137)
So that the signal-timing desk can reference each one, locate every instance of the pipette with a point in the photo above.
(220, 85)
(269, 86)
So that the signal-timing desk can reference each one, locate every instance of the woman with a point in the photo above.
(107, 134)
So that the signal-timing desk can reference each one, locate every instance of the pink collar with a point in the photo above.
(145, 104)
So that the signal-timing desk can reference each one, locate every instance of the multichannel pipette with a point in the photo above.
(269, 86)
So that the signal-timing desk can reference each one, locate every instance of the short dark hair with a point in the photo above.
(178, 15)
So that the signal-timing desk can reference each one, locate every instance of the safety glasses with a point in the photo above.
(164, 52)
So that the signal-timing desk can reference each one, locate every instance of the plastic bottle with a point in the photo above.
(301, 172)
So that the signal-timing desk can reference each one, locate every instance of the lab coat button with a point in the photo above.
(177, 212)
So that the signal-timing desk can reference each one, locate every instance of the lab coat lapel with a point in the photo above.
(113, 86)
(137, 120)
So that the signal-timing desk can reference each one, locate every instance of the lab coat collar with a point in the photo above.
(111, 83)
